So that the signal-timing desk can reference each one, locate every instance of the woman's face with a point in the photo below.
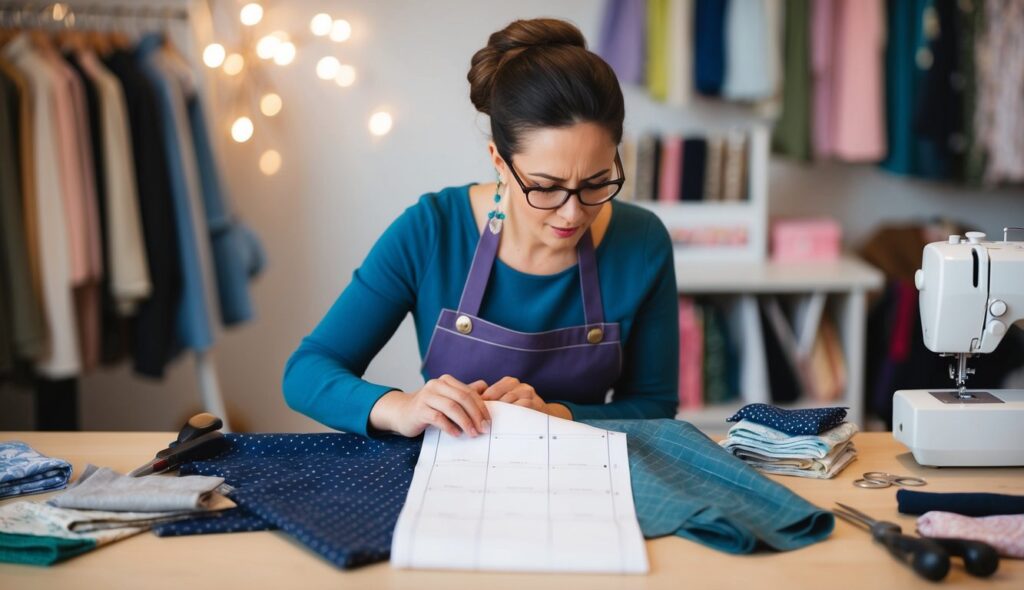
(567, 157)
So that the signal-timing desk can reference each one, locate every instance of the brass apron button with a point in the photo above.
(595, 335)
(463, 324)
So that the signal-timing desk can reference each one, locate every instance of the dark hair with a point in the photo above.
(538, 73)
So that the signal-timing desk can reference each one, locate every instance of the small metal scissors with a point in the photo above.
(881, 479)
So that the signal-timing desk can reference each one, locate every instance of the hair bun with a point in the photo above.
(509, 42)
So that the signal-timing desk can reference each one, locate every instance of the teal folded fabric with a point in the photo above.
(38, 550)
(684, 484)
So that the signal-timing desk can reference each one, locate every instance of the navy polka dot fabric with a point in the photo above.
(795, 422)
(338, 494)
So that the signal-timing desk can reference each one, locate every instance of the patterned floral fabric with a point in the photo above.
(1004, 532)
(23, 470)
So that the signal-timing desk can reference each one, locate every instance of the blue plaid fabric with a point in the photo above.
(340, 494)
(684, 484)
(811, 421)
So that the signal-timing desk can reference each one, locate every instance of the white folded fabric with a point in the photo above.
(815, 456)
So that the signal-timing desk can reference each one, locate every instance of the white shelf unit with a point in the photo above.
(844, 283)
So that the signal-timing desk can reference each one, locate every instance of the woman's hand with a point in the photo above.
(513, 391)
(445, 402)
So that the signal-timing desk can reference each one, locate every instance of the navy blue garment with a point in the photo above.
(796, 422)
(684, 484)
(709, 45)
(338, 494)
(968, 504)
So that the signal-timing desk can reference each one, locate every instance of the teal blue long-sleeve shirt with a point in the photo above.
(420, 265)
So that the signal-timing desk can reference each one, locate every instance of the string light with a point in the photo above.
(285, 53)
(341, 30)
(320, 25)
(270, 104)
(346, 76)
(270, 162)
(233, 64)
(213, 55)
(267, 46)
(251, 14)
(327, 67)
(380, 123)
(241, 129)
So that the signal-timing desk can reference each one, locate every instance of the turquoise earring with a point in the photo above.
(496, 218)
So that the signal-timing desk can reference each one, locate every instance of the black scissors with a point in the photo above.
(928, 556)
(199, 438)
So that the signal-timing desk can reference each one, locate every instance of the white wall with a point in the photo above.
(339, 188)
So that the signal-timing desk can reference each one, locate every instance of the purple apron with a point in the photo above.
(577, 364)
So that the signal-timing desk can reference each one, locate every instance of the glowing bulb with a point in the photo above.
(270, 162)
(267, 46)
(380, 123)
(346, 76)
(285, 53)
(327, 67)
(213, 55)
(60, 11)
(241, 129)
(320, 25)
(251, 14)
(270, 104)
(341, 30)
(233, 64)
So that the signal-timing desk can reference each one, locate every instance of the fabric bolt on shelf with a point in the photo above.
(967, 503)
(39, 534)
(684, 484)
(23, 470)
(808, 421)
(100, 488)
(1005, 532)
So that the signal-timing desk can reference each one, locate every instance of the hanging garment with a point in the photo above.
(966, 503)
(55, 261)
(679, 46)
(999, 119)
(859, 131)
(1005, 532)
(752, 48)
(938, 117)
(154, 326)
(623, 35)
(822, 76)
(709, 45)
(20, 220)
(23, 470)
(658, 61)
(579, 364)
(792, 135)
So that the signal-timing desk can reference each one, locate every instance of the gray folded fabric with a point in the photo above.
(100, 488)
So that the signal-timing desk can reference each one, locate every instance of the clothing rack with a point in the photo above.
(63, 15)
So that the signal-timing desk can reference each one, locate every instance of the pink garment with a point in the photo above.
(822, 36)
(691, 356)
(859, 123)
(671, 169)
(1004, 532)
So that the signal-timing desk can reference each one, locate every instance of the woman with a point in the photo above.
(538, 289)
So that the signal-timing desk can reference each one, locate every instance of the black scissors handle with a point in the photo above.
(925, 556)
(195, 427)
(980, 558)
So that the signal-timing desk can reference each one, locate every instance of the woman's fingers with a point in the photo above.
(453, 410)
(473, 392)
(468, 399)
(499, 389)
(436, 418)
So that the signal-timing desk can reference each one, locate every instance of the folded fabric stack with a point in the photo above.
(996, 519)
(102, 507)
(815, 443)
(23, 471)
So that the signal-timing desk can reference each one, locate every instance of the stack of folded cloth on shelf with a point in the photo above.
(996, 519)
(102, 507)
(815, 443)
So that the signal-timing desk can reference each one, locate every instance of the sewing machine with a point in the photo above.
(972, 292)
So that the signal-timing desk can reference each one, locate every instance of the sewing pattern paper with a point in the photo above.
(537, 493)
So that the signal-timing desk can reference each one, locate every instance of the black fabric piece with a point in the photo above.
(695, 153)
(968, 504)
(782, 378)
(56, 404)
(153, 332)
(939, 115)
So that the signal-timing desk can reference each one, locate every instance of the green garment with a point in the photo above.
(38, 550)
(792, 135)
(657, 48)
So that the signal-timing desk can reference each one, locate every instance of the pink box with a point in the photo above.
(806, 239)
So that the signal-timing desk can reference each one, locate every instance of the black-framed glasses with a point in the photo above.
(553, 197)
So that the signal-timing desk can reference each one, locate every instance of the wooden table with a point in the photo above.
(848, 559)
